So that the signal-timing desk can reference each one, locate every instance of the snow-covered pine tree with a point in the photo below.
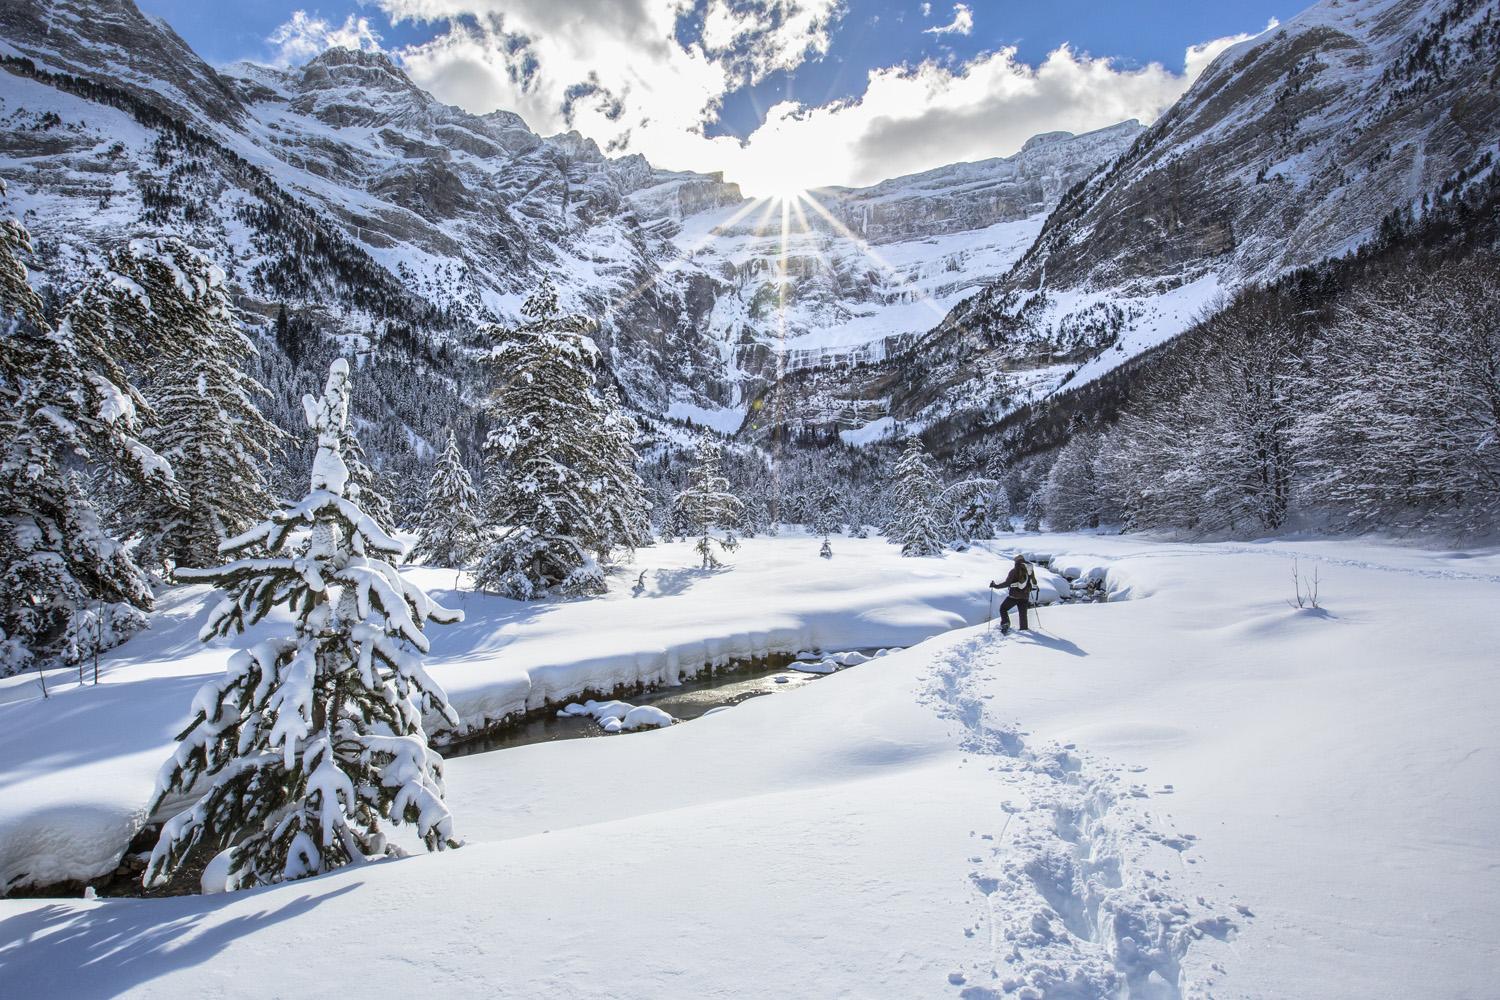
(707, 504)
(999, 510)
(309, 743)
(450, 534)
(364, 482)
(823, 505)
(757, 516)
(209, 428)
(914, 499)
(971, 506)
(854, 510)
(1033, 516)
(566, 491)
(625, 505)
(827, 550)
(67, 586)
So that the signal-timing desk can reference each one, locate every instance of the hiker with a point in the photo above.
(1020, 583)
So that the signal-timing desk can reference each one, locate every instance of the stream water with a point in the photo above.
(730, 684)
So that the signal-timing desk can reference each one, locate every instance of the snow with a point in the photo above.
(869, 433)
(81, 793)
(911, 285)
(615, 716)
(1201, 790)
(724, 420)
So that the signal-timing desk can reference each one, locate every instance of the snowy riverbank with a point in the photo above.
(81, 764)
(1201, 790)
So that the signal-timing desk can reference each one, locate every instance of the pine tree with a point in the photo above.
(707, 504)
(450, 534)
(308, 743)
(823, 508)
(364, 484)
(757, 516)
(827, 550)
(67, 585)
(973, 507)
(914, 524)
(566, 492)
(208, 426)
(1033, 516)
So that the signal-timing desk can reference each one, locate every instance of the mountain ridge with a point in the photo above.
(1291, 148)
(465, 212)
(936, 302)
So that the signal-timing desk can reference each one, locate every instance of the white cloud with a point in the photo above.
(1199, 56)
(962, 23)
(757, 37)
(619, 72)
(615, 70)
(926, 10)
(305, 36)
(915, 118)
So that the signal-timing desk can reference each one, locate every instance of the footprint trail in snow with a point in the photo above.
(1074, 890)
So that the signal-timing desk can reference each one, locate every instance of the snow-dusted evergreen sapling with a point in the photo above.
(364, 483)
(757, 517)
(914, 501)
(972, 507)
(1033, 516)
(310, 743)
(824, 504)
(209, 428)
(566, 491)
(827, 550)
(707, 504)
(67, 585)
(450, 532)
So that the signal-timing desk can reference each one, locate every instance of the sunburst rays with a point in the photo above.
(786, 218)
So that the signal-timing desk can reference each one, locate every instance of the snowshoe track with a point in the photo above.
(1075, 895)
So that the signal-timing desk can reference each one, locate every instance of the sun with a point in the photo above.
(788, 191)
(774, 183)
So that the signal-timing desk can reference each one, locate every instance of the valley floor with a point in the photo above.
(1192, 790)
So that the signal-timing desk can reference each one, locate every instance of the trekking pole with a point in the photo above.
(989, 621)
(1036, 609)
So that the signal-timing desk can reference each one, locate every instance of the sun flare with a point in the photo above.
(783, 192)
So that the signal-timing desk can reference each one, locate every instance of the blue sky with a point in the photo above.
(779, 93)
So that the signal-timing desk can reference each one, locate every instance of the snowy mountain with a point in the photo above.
(838, 276)
(396, 224)
(342, 191)
(1293, 147)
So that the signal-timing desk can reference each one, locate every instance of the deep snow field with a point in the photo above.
(1194, 789)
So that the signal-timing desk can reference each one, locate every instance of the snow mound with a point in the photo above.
(646, 717)
(619, 716)
(826, 666)
(1076, 569)
(1051, 587)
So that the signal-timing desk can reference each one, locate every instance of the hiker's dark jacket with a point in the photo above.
(1019, 581)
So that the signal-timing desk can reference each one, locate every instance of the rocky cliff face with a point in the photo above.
(963, 197)
(1291, 148)
(342, 188)
(112, 40)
